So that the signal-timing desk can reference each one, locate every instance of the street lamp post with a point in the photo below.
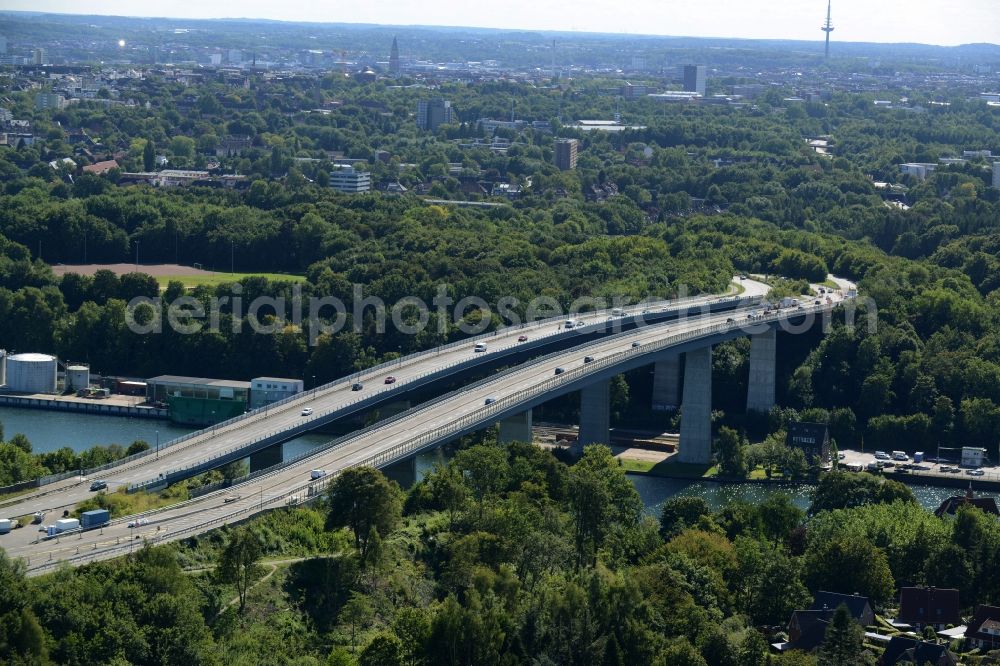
(157, 444)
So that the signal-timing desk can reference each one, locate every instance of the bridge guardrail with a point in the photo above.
(375, 398)
(312, 393)
(568, 376)
(406, 448)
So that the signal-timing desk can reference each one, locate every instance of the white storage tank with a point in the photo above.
(77, 377)
(32, 373)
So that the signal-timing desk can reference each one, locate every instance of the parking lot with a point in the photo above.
(929, 466)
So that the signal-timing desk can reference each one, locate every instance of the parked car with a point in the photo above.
(881, 455)
(357, 386)
(307, 411)
(390, 380)
(945, 468)
(900, 455)
(98, 485)
(522, 338)
(975, 472)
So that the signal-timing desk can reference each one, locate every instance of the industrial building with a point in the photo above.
(198, 401)
(267, 390)
(566, 150)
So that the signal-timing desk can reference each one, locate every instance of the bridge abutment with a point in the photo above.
(516, 428)
(760, 388)
(595, 415)
(696, 408)
(666, 383)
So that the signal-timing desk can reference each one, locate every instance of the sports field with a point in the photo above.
(164, 273)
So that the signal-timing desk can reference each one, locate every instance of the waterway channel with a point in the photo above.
(49, 431)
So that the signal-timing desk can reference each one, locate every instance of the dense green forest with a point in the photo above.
(508, 555)
(702, 192)
(504, 555)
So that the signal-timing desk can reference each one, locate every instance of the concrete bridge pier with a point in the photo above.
(666, 383)
(760, 388)
(403, 472)
(696, 408)
(595, 416)
(516, 428)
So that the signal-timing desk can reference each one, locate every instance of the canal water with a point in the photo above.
(50, 430)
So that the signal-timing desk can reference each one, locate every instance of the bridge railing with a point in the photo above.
(313, 488)
(496, 406)
(374, 398)
(632, 310)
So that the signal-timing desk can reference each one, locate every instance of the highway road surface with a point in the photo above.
(476, 406)
(277, 420)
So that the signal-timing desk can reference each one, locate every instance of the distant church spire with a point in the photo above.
(394, 58)
(827, 28)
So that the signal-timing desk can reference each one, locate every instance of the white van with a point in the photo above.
(570, 323)
(480, 346)
(6, 525)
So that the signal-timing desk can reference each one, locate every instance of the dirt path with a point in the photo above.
(273, 564)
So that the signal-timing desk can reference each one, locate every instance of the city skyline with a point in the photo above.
(892, 21)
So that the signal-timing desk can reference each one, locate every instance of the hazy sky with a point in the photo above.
(927, 21)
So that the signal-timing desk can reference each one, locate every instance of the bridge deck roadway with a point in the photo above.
(396, 439)
(280, 422)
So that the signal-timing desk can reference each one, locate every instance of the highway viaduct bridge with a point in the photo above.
(505, 398)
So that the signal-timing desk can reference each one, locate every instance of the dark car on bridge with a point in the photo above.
(357, 387)
(390, 380)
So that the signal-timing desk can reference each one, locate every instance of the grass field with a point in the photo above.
(668, 468)
(212, 279)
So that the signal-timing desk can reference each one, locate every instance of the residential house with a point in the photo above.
(859, 607)
(906, 650)
(950, 506)
(984, 630)
(812, 438)
(937, 607)
(101, 168)
(807, 629)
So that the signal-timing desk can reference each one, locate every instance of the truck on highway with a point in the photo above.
(6, 525)
(62, 525)
(95, 518)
